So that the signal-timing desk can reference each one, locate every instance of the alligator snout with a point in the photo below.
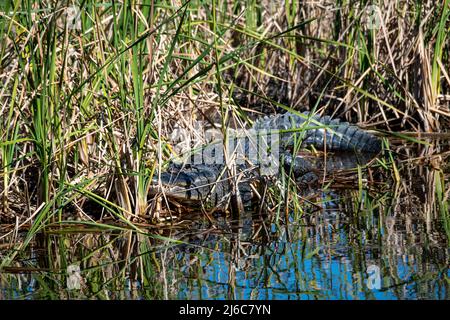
(174, 186)
(188, 183)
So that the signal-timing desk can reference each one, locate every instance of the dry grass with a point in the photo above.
(86, 113)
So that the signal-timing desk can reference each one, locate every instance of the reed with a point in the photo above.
(88, 101)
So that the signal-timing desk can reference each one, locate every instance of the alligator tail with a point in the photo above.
(321, 132)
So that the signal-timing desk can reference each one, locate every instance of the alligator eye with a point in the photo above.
(182, 180)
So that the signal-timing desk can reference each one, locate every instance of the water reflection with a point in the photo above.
(380, 241)
(334, 253)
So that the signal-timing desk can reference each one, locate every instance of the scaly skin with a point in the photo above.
(210, 185)
(337, 136)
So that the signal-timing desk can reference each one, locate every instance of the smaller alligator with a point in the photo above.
(211, 184)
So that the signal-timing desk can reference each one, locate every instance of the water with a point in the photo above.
(319, 257)
(381, 241)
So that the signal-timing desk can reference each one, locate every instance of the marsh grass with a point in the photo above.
(88, 104)
(213, 263)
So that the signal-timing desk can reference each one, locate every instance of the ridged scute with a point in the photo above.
(320, 132)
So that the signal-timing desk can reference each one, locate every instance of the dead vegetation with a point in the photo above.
(88, 100)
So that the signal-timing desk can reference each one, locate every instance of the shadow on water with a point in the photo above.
(388, 241)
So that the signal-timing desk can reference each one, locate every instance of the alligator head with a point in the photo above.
(191, 184)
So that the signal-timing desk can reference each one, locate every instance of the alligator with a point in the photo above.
(211, 184)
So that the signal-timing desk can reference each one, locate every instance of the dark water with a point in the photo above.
(377, 241)
(331, 254)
